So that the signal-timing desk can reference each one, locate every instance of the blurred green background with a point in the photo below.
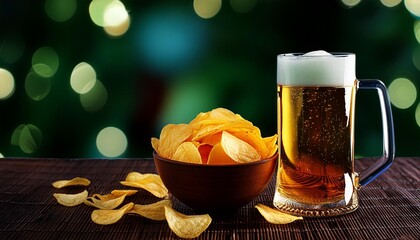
(83, 78)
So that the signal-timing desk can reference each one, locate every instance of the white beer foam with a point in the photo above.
(317, 68)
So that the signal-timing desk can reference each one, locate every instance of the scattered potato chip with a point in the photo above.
(154, 211)
(106, 217)
(242, 144)
(275, 216)
(186, 226)
(108, 201)
(77, 181)
(149, 182)
(187, 152)
(138, 177)
(238, 150)
(128, 192)
(71, 200)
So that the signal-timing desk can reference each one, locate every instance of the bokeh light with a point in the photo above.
(118, 30)
(207, 8)
(243, 6)
(110, 14)
(12, 47)
(116, 19)
(403, 93)
(115, 14)
(82, 78)
(1, 155)
(170, 40)
(28, 137)
(413, 6)
(7, 84)
(97, 11)
(45, 62)
(417, 114)
(390, 3)
(416, 57)
(350, 3)
(60, 10)
(95, 99)
(417, 30)
(37, 87)
(111, 142)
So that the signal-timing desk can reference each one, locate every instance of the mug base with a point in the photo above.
(322, 210)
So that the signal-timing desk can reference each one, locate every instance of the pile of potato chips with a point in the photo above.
(216, 137)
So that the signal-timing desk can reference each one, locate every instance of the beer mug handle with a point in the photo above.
(372, 172)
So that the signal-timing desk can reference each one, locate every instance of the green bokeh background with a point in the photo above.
(225, 61)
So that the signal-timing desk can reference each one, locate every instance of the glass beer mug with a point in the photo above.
(315, 111)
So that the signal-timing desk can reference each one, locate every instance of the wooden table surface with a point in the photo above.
(389, 206)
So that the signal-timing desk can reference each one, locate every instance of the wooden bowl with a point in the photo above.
(215, 188)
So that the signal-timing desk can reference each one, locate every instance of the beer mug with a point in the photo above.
(316, 107)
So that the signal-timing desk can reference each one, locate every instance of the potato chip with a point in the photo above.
(187, 152)
(238, 149)
(204, 150)
(275, 216)
(149, 182)
(219, 157)
(77, 181)
(186, 226)
(71, 200)
(154, 211)
(232, 126)
(142, 177)
(108, 201)
(171, 136)
(253, 138)
(212, 139)
(129, 192)
(222, 113)
(155, 144)
(271, 143)
(215, 116)
(106, 217)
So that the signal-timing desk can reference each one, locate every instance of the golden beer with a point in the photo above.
(315, 114)
(316, 144)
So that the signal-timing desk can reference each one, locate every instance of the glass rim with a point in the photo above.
(302, 55)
